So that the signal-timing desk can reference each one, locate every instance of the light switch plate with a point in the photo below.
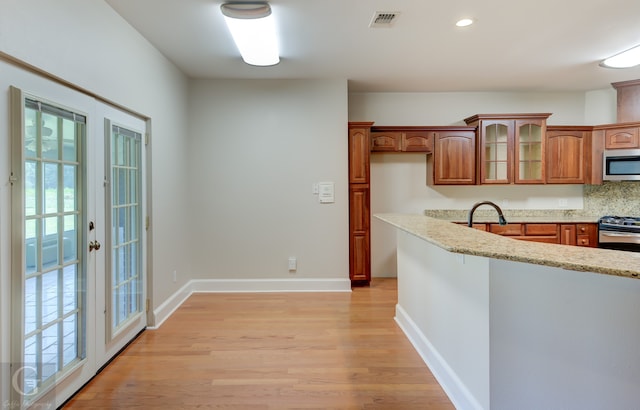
(326, 192)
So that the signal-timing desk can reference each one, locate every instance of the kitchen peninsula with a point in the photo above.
(504, 323)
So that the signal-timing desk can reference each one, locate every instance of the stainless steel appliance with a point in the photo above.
(619, 232)
(621, 165)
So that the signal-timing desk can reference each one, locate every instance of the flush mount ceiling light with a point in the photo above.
(464, 22)
(254, 31)
(625, 59)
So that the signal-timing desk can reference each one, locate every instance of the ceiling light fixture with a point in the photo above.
(464, 22)
(253, 29)
(626, 59)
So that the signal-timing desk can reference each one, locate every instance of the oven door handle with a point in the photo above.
(608, 237)
(621, 234)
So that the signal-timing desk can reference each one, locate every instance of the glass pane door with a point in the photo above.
(125, 203)
(53, 276)
(496, 152)
(529, 152)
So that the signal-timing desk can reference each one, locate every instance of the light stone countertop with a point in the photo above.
(460, 239)
(487, 214)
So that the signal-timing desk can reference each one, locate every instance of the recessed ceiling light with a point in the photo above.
(626, 59)
(464, 22)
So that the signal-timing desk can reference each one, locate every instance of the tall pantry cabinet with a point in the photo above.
(359, 200)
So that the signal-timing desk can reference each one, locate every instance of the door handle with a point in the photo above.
(94, 246)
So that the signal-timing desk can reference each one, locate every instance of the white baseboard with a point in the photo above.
(271, 285)
(170, 305)
(165, 310)
(458, 393)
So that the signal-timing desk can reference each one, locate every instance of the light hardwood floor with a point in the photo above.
(272, 351)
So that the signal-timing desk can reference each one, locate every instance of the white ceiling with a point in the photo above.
(542, 45)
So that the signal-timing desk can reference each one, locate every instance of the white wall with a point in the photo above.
(256, 148)
(399, 182)
(86, 43)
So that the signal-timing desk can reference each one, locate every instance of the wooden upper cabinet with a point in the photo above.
(454, 158)
(616, 138)
(510, 147)
(417, 141)
(401, 141)
(386, 141)
(359, 153)
(567, 155)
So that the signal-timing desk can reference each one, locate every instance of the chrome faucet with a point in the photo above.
(501, 219)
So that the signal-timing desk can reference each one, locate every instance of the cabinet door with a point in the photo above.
(385, 141)
(568, 234)
(621, 138)
(529, 144)
(496, 146)
(454, 158)
(565, 153)
(359, 233)
(359, 155)
(415, 141)
(510, 229)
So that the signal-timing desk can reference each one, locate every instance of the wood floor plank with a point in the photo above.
(271, 351)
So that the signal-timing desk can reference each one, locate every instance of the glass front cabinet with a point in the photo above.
(510, 147)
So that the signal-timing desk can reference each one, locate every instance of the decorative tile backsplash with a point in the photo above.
(613, 198)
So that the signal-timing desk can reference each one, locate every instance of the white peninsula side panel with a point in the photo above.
(443, 308)
(562, 339)
(500, 334)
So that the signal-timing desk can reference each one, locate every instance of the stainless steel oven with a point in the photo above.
(619, 233)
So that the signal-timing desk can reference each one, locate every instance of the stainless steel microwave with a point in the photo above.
(621, 165)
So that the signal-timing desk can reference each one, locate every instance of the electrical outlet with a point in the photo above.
(563, 202)
(293, 264)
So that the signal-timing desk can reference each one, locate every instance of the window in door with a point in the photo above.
(52, 274)
(125, 219)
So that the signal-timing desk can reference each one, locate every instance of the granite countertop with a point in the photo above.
(460, 239)
(484, 215)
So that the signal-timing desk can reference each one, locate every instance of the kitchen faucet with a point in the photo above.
(501, 219)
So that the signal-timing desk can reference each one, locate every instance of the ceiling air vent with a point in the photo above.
(384, 19)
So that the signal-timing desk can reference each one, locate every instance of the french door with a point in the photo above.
(78, 244)
(124, 266)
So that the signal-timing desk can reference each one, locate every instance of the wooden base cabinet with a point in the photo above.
(580, 234)
(359, 234)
